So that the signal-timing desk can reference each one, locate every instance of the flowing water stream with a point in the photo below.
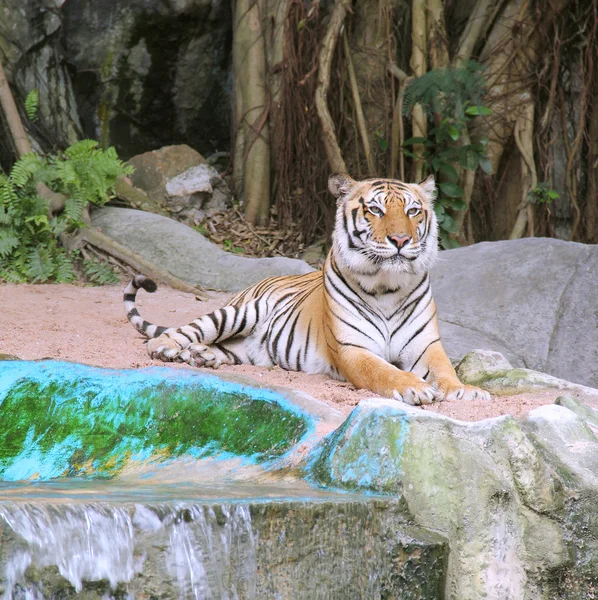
(67, 540)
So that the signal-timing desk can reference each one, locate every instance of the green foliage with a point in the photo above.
(450, 98)
(32, 105)
(99, 273)
(29, 237)
(543, 194)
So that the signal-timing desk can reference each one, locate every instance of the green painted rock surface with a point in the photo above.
(67, 420)
(74, 523)
(517, 500)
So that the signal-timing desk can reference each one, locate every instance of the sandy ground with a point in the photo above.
(88, 325)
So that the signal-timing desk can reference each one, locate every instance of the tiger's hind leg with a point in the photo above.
(227, 323)
(229, 352)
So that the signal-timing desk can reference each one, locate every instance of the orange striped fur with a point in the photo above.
(367, 317)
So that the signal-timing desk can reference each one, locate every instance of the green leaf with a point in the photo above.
(415, 140)
(448, 170)
(449, 224)
(447, 242)
(452, 190)
(475, 111)
(472, 161)
(455, 203)
(552, 194)
(485, 164)
(440, 212)
(454, 133)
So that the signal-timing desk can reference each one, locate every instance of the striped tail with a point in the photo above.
(144, 327)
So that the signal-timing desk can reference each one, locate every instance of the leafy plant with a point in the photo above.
(543, 194)
(99, 273)
(450, 99)
(30, 249)
(230, 247)
(32, 105)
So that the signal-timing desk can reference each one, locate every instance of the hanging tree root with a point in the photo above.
(363, 132)
(524, 139)
(419, 126)
(333, 151)
(398, 126)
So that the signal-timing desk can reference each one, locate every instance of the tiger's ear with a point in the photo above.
(340, 184)
(428, 187)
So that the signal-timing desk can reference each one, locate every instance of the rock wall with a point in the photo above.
(136, 74)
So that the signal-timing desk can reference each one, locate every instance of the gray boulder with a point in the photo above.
(534, 300)
(186, 253)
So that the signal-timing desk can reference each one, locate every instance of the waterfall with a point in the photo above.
(197, 551)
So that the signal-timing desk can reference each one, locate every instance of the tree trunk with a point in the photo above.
(19, 137)
(251, 78)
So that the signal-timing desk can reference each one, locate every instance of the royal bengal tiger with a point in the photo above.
(368, 317)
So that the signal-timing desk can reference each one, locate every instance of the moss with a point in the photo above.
(76, 427)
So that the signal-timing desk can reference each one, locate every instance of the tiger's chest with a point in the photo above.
(389, 323)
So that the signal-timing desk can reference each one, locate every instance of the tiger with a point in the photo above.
(368, 317)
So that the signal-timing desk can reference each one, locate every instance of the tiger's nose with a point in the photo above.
(399, 240)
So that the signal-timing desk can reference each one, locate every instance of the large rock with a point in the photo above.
(179, 182)
(516, 499)
(186, 253)
(533, 300)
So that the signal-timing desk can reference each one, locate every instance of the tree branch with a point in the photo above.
(473, 30)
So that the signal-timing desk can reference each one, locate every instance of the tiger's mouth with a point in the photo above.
(392, 256)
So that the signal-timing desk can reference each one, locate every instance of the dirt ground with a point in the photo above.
(88, 325)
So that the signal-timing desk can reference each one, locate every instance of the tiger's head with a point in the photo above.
(385, 224)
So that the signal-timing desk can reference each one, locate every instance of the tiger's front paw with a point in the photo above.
(463, 391)
(198, 355)
(163, 348)
(417, 392)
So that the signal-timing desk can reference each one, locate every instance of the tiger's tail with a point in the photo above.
(144, 327)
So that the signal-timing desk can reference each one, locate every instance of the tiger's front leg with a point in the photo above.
(364, 369)
(442, 373)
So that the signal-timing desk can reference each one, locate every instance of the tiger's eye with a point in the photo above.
(376, 211)
(413, 211)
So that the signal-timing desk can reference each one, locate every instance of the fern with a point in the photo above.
(63, 271)
(24, 169)
(40, 267)
(99, 273)
(9, 240)
(32, 105)
(29, 239)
